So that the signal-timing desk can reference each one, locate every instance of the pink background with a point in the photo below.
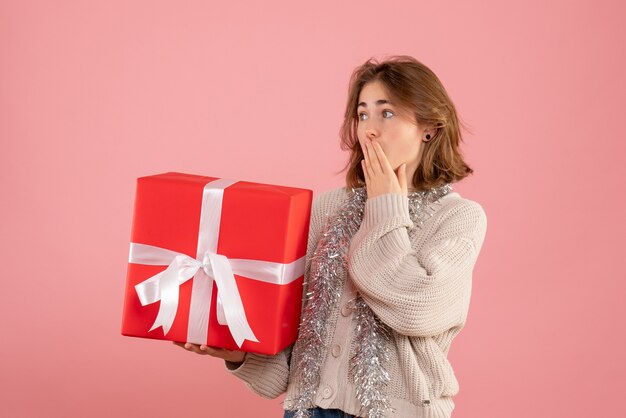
(96, 94)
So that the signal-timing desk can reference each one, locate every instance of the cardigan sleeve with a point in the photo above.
(265, 375)
(417, 292)
(268, 375)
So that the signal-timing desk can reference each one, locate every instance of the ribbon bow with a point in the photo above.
(207, 267)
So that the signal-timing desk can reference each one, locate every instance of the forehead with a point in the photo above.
(372, 94)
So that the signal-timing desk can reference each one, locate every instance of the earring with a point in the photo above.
(427, 137)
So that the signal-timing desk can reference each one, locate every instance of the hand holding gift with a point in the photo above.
(233, 356)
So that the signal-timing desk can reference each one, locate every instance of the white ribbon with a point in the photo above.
(208, 266)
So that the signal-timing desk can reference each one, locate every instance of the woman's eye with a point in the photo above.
(362, 115)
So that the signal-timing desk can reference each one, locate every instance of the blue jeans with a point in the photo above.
(322, 413)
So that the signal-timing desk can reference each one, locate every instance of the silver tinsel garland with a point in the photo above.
(367, 362)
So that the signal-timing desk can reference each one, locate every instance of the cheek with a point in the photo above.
(403, 148)
(360, 132)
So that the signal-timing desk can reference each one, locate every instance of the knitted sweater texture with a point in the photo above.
(417, 284)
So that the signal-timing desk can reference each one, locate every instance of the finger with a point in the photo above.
(193, 347)
(402, 178)
(374, 163)
(382, 157)
(380, 161)
(365, 172)
(365, 156)
(181, 345)
(365, 150)
(372, 160)
(213, 350)
(216, 352)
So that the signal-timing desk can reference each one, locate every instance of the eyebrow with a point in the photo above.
(378, 103)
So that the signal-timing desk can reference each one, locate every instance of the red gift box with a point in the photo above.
(217, 262)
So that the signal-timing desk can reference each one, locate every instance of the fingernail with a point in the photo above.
(203, 347)
(187, 345)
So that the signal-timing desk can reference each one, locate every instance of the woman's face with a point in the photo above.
(395, 128)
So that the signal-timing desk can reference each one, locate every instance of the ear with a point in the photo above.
(431, 132)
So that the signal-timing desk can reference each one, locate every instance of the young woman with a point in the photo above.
(389, 262)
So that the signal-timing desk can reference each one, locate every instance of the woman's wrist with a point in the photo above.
(234, 365)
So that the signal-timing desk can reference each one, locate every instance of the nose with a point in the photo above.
(371, 130)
